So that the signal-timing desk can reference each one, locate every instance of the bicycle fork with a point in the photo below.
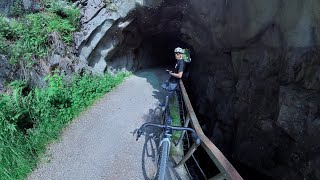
(166, 139)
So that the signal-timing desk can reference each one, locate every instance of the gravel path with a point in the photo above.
(100, 143)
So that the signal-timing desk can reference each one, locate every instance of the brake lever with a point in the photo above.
(139, 133)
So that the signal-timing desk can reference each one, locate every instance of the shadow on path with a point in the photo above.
(155, 77)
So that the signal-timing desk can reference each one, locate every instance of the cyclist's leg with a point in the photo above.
(163, 92)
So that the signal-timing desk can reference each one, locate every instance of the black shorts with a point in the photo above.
(170, 86)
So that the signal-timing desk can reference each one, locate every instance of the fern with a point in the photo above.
(49, 110)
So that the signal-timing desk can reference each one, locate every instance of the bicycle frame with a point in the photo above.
(166, 136)
(167, 133)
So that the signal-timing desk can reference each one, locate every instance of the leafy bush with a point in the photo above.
(3, 45)
(5, 30)
(5, 34)
(175, 116)
(65, 10)
(33, 35)
(28, 36)
(13, 146)
(30, 120)
(17, 8)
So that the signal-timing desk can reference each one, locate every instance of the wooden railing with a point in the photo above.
(227, 171)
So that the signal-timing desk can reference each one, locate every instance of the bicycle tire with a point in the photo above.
(167, 106)
(163, 160)
(164, 111)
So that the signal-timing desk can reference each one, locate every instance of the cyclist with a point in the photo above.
(173, 81)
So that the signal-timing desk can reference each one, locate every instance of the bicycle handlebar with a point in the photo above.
(194, 135)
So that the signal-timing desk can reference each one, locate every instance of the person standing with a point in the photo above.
(177, 74)
(179, 67)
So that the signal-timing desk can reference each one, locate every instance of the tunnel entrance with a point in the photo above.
(161, 48)
(152, 51)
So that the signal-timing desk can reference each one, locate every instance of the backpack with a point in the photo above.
(187, 59)
(186, 56)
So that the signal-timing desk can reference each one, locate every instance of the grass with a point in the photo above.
(29, 120)
(25, 38)
(175, 115)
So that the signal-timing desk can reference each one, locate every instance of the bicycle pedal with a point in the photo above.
(163, 108)
(155, 138)
(161, 104)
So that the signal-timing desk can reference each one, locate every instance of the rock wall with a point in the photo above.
(5, 6)
(7, 72)
(8, 6)
(102, 33)
(256, 77)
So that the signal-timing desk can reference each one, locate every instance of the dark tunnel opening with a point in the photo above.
(162, 46)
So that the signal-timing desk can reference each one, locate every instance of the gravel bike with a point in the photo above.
(165, 138)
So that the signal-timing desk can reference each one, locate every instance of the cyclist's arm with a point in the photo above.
(180, 70)
(177, 75)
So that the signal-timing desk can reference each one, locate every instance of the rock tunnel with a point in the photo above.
(254, 76)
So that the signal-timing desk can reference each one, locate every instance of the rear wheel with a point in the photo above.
(165, 110)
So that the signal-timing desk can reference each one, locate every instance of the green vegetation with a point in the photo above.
(174, 110)
(17, 8)
(30, 119)
(26, 37)
(64, 10)
(175, 115)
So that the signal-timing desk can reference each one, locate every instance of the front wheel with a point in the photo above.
(163, 160)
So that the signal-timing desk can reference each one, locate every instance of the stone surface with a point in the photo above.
(7, 72)
(27, 4)
(270, 58)
(102, 25)
(32, 5)
(5, 6)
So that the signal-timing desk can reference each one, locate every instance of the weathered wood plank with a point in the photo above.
(215, 154)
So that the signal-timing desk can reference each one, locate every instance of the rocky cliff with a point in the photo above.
(256, 80)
